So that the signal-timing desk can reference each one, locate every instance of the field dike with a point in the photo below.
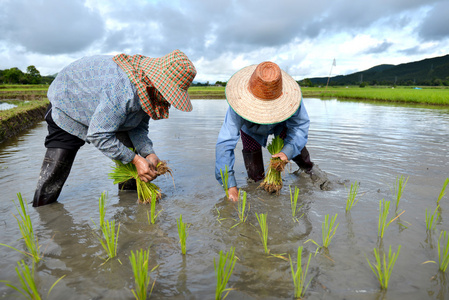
(21, 118)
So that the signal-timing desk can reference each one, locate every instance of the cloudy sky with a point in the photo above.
(221, 37)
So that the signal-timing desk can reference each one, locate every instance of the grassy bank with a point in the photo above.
(435, 96)
(26, 114)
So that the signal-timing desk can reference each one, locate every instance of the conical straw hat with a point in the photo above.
(263, 94)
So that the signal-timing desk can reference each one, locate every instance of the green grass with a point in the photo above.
(383, 267)
(433, 96)
(183, 233)
(223, 271)
(299, 274)
(352, 200)
(139, 263)
(263, 233)
(27, 232)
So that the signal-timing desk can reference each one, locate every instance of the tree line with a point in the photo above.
(31, 76)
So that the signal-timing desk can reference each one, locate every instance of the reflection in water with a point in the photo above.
(349, 141)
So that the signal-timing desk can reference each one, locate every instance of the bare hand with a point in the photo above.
(281, 155)
(145, 171)
(233, 194)
(153, 160)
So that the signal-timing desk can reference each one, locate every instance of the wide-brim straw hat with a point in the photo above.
(263, 94)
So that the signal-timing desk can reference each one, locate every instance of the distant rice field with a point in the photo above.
(436, 96)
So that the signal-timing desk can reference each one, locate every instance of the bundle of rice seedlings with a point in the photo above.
(272, 182)
(145, 190)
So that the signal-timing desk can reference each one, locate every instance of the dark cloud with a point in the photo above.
(435, 25)
(50, 26)
(379, 48)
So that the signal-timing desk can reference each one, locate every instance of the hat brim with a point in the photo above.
(258, 110)
(169, 89)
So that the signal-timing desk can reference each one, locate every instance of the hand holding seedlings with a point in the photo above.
(145, 170)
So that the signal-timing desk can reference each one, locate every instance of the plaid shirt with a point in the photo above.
(93, 98)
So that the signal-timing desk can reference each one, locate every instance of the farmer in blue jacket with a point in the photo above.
(263, 100)
(108, 101)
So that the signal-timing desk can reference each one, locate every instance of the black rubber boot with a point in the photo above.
(254, 164)
(303, 160)
(129, 185)
(54, 172)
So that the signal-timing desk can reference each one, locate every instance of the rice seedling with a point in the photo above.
(272, 182)
(28, 287)
(183, 234)
(224, 178)
(145, 190)
(443, 191)
(263, 233)
(27, 232)
(352, 195)
(152, 215)
(242, 208)
(328, 229)
(223, 271)
(383, 267)
(398, 189)
(431, 219)
(294, 202)
(101, 208)
(443, 255)
(110, 238)
(139, 263)
(384, 207)
(299, 274)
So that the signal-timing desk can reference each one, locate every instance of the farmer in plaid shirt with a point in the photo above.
(108, 101)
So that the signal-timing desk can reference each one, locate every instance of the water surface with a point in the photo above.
(370, 143)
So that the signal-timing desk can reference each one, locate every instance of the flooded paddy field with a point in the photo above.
(368, 143)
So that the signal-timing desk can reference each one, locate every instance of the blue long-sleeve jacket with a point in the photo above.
(297, 135)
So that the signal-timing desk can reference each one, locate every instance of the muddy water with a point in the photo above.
(349, 141)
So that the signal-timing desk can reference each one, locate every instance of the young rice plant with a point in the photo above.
(223, 271)
(27, 232)
(383, 267)
(398, 189)
(263, 233)
(139, 263)
(328, 229)
(443, 191)
(224, 178)
(152, 215)
(299, 274)
(183, 234)
(352, 196)
(431, 219)
(294, 202)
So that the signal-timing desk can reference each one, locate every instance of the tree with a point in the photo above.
(13, 75)
(33, 75)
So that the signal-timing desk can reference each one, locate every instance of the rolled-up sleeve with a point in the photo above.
(226, 143)
(297, 132)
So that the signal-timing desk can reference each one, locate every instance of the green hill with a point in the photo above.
(431, 71)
